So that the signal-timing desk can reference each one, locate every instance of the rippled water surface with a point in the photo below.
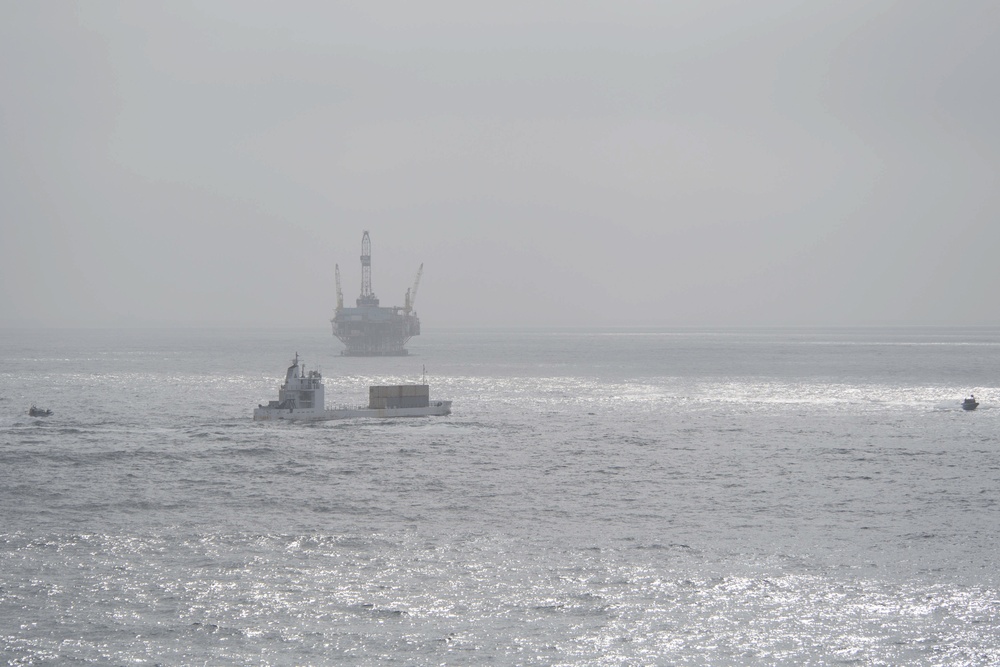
(596, 498)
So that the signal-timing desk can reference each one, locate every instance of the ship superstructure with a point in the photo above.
(371, 330)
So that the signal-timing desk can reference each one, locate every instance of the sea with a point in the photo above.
(621, 496)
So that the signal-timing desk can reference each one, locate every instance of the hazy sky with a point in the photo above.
(676, 163)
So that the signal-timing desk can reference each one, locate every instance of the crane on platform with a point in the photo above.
(411, 294)
(340, 293)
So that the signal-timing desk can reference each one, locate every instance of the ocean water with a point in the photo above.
(597, 497)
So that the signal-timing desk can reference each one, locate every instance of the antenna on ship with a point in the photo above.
(425, 375)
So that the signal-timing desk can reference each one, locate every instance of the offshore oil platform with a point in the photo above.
(370, 330)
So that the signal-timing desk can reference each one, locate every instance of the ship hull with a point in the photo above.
(435, 409)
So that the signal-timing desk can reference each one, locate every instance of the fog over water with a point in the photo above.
(706, 280)
(550, 164)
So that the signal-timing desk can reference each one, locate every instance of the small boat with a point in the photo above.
(301, 397)
(39, 412)
(970, 403)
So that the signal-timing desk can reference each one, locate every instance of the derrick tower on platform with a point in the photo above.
(370, 330)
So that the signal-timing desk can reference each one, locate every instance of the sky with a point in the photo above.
(551, 164)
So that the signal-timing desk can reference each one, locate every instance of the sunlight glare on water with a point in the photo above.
(760, 497)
